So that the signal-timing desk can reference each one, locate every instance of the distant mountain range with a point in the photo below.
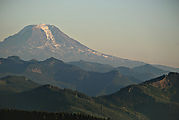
(156, 99)
(56, 72)
(142, 73)
(167, 68)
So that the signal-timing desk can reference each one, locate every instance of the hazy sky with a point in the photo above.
(144, 30)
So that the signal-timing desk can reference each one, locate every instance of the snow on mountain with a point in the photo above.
(49, 36)
(44, 41)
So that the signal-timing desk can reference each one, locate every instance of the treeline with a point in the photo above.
(9, 114)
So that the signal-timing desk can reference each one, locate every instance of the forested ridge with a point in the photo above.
(12, 114)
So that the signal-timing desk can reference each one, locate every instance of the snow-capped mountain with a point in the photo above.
(43, 41)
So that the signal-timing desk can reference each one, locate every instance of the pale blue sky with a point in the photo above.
(144, 30)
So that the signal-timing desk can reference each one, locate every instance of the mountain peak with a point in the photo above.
(14, 58)
(44, 40)
(49, 35)
(53, 60)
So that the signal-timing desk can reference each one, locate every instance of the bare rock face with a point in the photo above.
(44, 41)
(168, 81)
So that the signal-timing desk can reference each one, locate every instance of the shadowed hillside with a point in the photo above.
(157, 99)
(151, 100)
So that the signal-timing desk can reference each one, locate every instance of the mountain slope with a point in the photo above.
(143, 72)
(147, 68)
(44, 41)
(56, 72)
(53, 99)
(16, 84)
(92, 66)
(152, 100)
(156, 99)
